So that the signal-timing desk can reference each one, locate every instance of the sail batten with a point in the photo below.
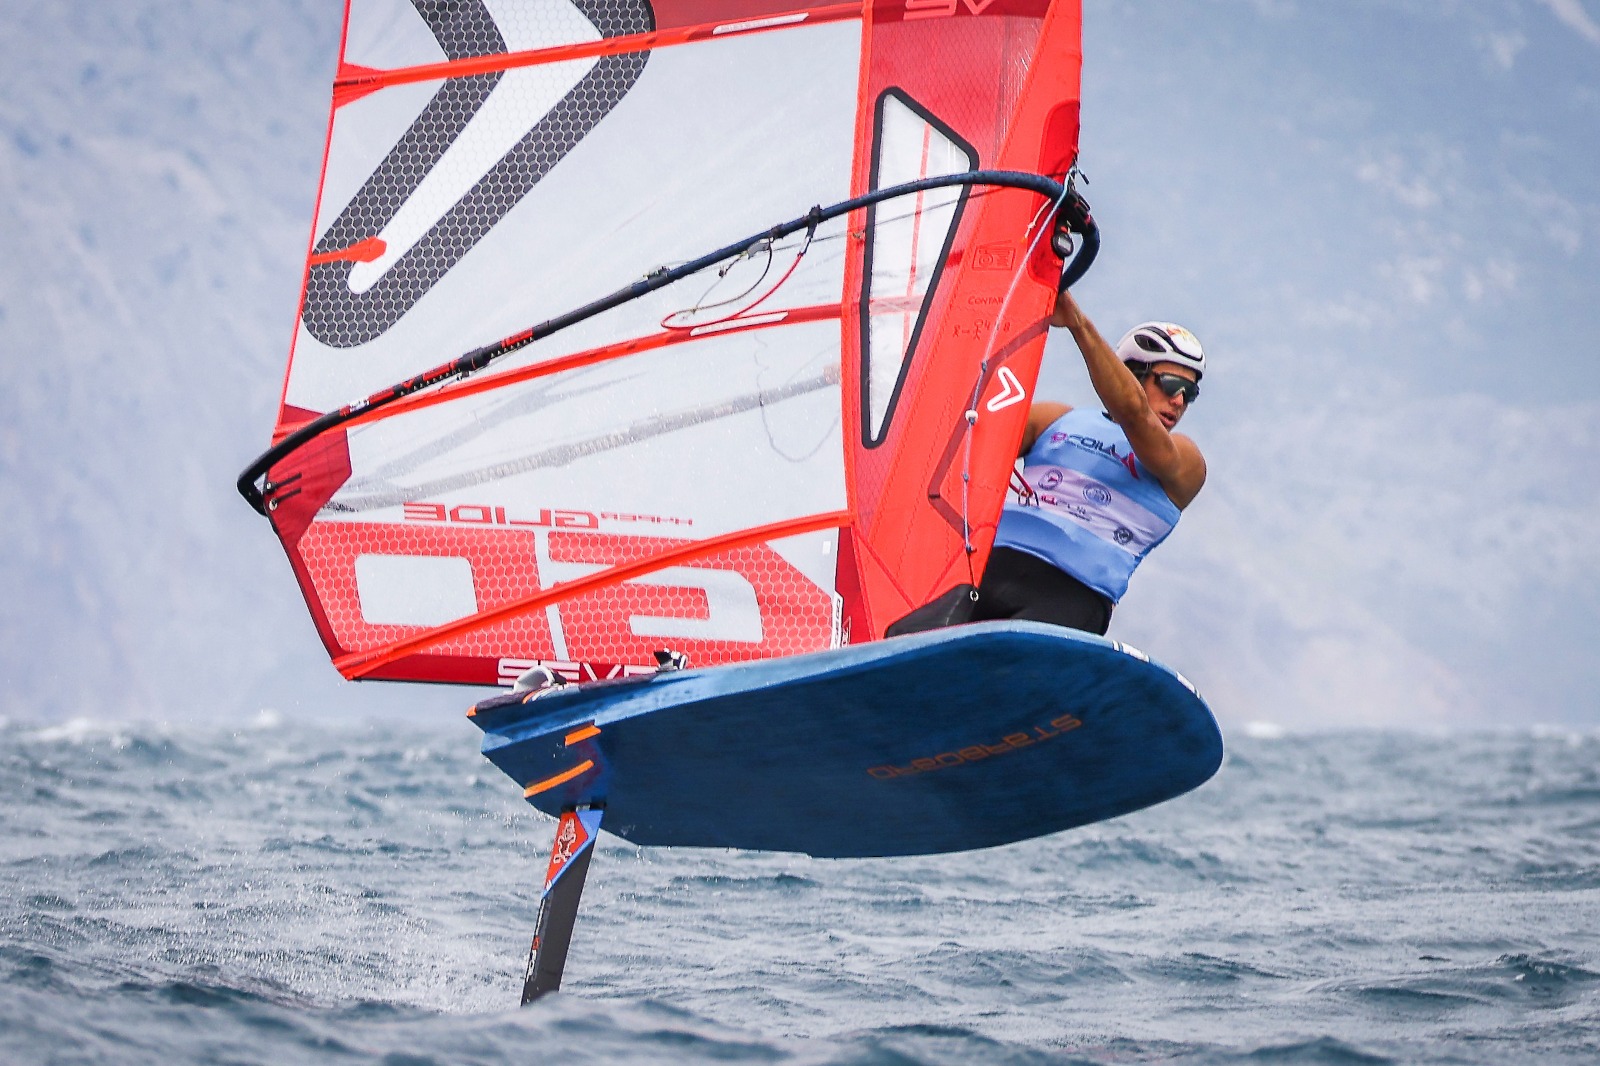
(354, 81)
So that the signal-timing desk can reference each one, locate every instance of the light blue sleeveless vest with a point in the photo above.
(1097, 512)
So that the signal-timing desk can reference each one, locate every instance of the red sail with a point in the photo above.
(780, 454)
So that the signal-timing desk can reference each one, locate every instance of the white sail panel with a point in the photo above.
(533, 484)
(909, 243)
(414, 590)
(389, 35)
(625, 436)
(710, 166)
(521, 99)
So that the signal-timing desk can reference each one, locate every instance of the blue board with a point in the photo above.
(942, 741)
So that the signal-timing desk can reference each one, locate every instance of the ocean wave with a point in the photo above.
(367, 895)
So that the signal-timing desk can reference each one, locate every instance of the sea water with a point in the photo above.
(299, 893)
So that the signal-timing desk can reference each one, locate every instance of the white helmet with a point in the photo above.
(1162, 342)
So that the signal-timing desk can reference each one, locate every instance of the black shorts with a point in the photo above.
(1024, 588)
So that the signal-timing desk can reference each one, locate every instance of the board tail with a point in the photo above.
(558, 907)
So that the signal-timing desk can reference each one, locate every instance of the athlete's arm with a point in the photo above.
(1040, 415)
(1173, 458)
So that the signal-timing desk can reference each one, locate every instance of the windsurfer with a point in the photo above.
(1100, 488)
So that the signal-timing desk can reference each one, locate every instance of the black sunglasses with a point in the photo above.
(1176, 384)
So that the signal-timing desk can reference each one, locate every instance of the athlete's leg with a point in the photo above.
(1021, 587)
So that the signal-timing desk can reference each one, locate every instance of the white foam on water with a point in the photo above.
(1264, 730)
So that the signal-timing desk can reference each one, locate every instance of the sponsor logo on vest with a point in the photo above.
(1076, 510)
(1050, 480)
(1098, 495)
(1098, 446)
(1123, 535)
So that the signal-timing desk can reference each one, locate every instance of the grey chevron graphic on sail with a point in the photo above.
(418, 206)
